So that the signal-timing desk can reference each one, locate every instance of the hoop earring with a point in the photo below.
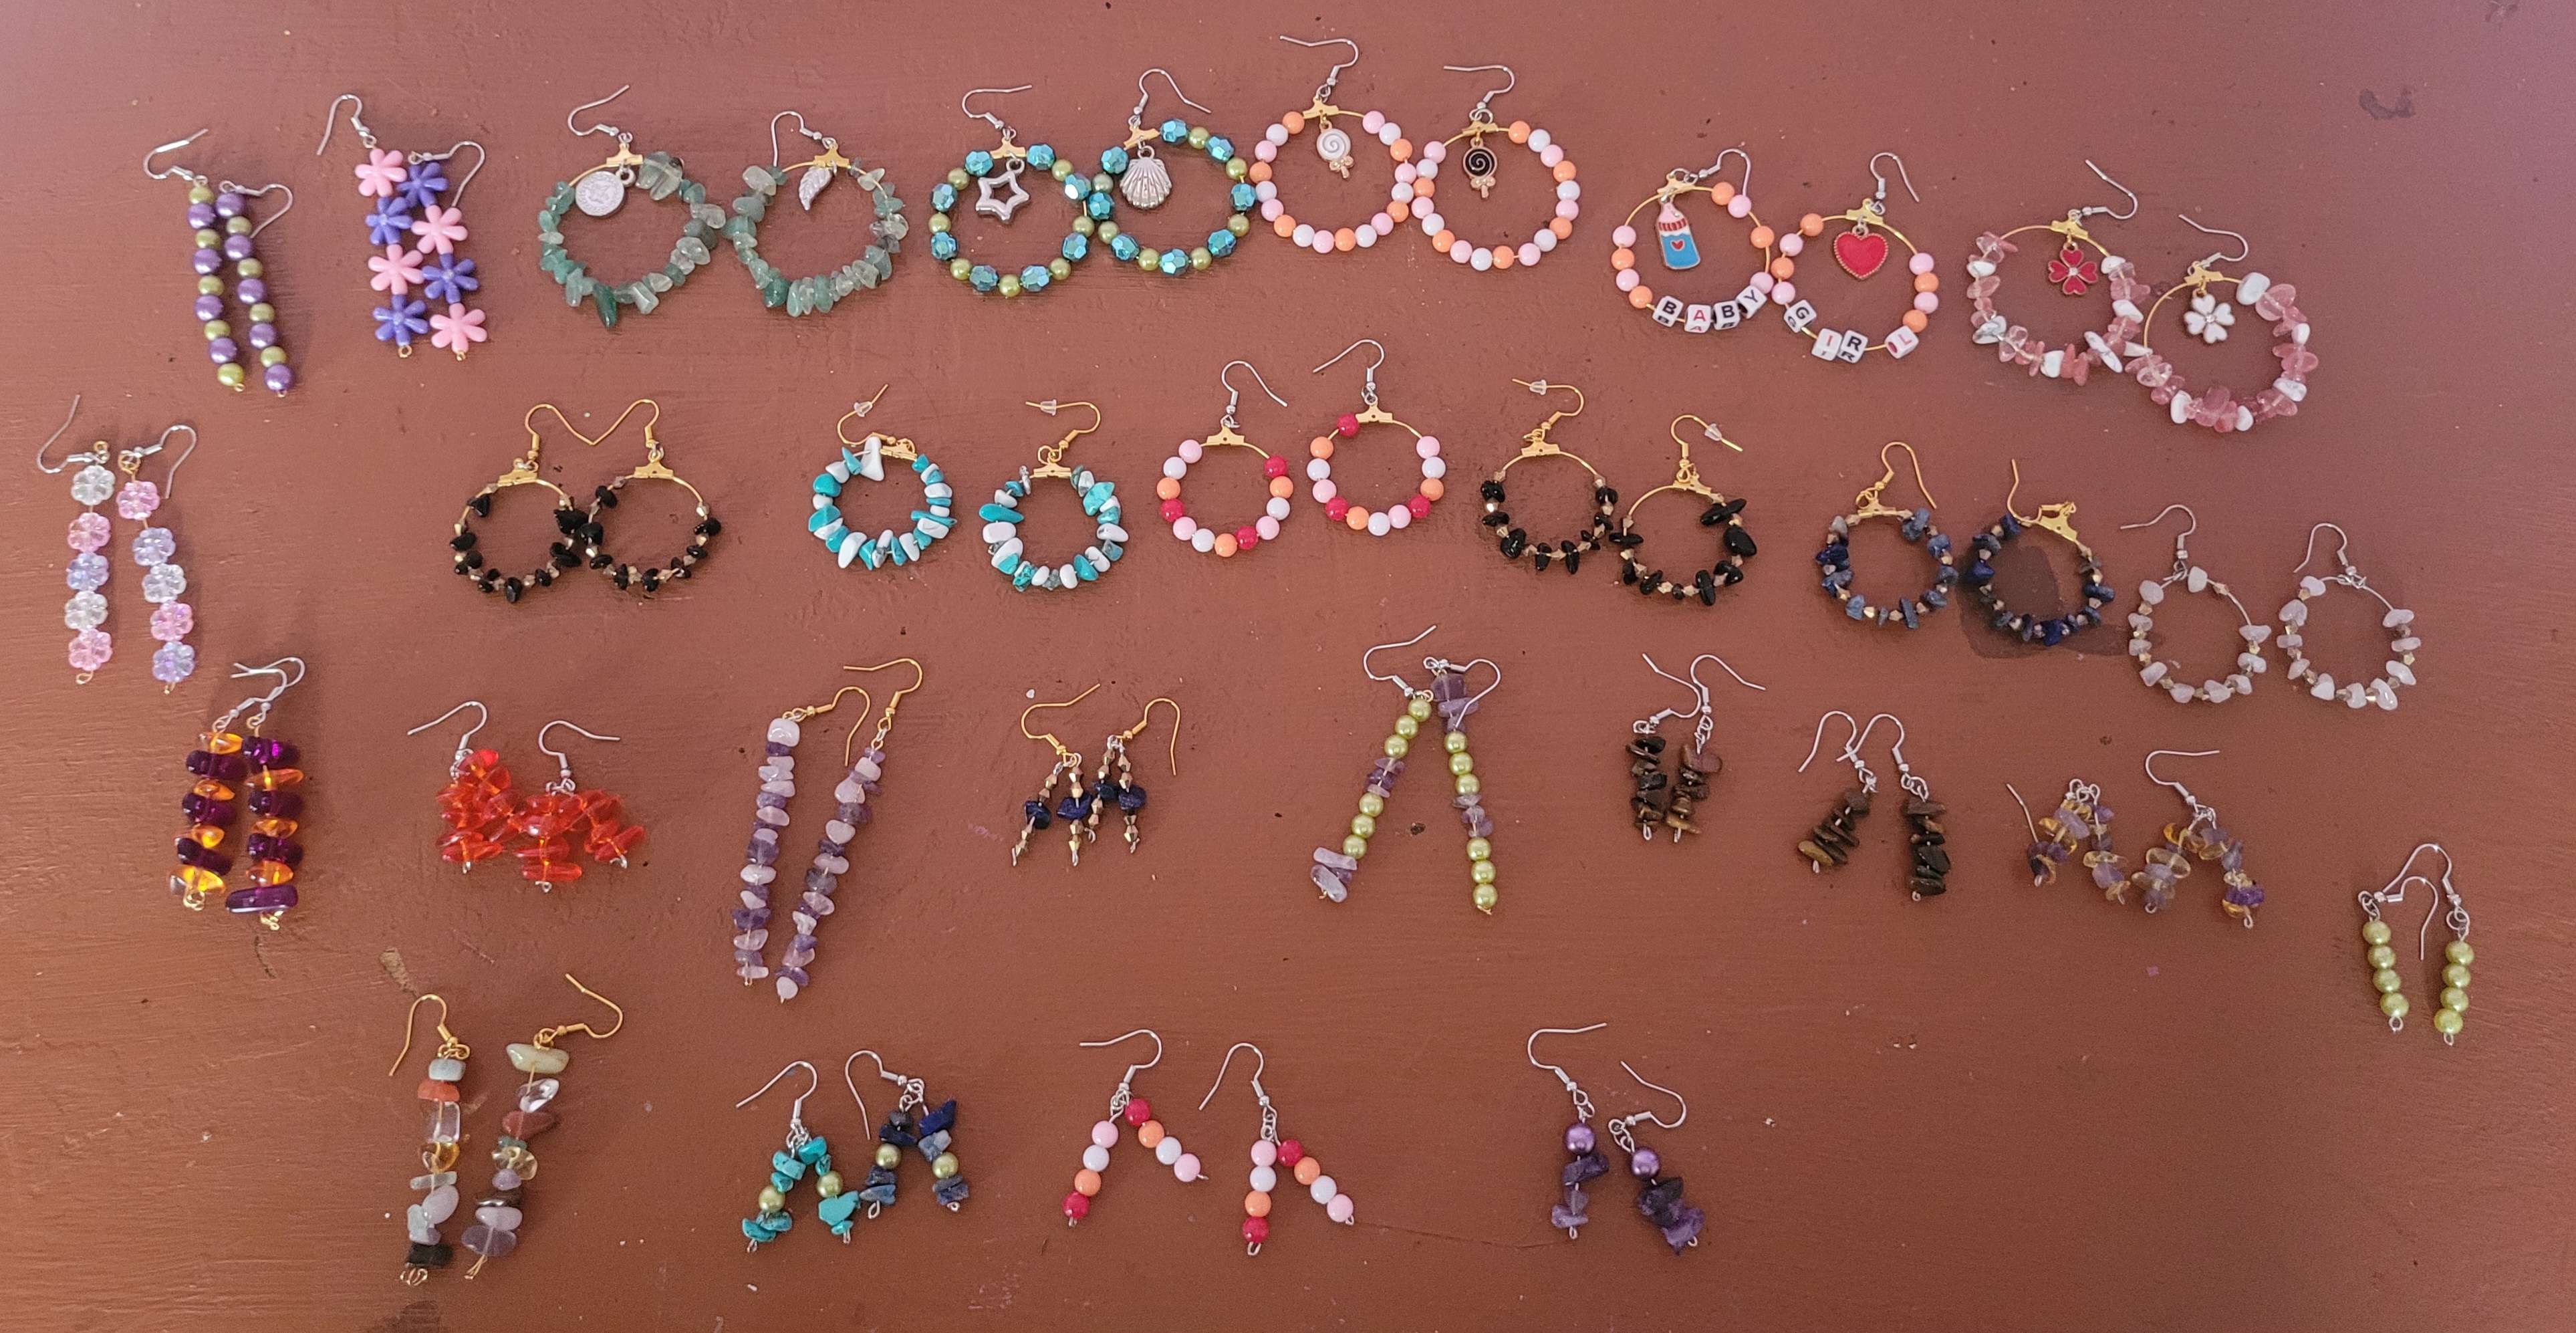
(601, 190)
(1145, 182)
(1514, 541)
(464, 544)
(930, 1133)
(1035, 813)
(403, 184)
(1099, 500)
(1480, 166)
(803, 1150)
(164, 580)
(2456, 953)
(818, 294)
(223, 764)
(1274, 469)
(769, 818)
(2208, 319)
(497, 1215)
(437, 1181)
(1679, 249)
(2398, 621)
(2057, 520)
(1735, 545)
(2162, 673)
(2072, 273)
(1861, 249)
(831, 526)
(995, 173)
(1911, 524)
(478, 807)
(1448, 698)
(228, 202)
(2201, 835)
(1115, 784)
(1661, 801)
(646, 579)
(1269, 1154)
(85, 613)
(1319, 469)
(2054, 838)
(1334, 144)
(1139, 1114)
(549, 818)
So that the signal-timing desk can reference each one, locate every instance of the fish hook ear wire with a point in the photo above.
(1707, 715)
(1391, 678)
(563, 762)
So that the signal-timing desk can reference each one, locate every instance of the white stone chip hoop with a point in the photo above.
(2399, 622)
(1335, 145)
(2208, 319)
(1479, 165)
(2165, 674)
(1679, 250)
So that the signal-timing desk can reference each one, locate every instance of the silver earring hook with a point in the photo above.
(2343, 541)
(801, 128)
(2457, 918)
(1699, 700)
(1746, 186)
(987, 116)
(1707, 714)
(1395, 680)
(601, 127)
(1142, 97)
(1118, 1101)
(1485, 104)
(2198, 810)
(563, 762)
(796, 1135)
(1851, 752)
(1261, 1061)
(1648, 1116)
(464, 743)
(1901, 175)
(481, 156)
(853, 1084)
(2244, 247)
(169, 479)
(1232, 396)
(1905, 776)
(1712, 657)
(912, 1087)
(2092, 210)
(1368, 383)
(2182, 552)
(258, 705)
(174, 169)
(331, 120)
(2027, 821)
(2394, 891)
(1583, 1108)
(96, 454)
(236, 187)
(1324, 92)
(1462, 668)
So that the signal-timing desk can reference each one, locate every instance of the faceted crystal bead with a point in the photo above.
(445, 1122)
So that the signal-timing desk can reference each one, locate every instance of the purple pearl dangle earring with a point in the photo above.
(1659, 1197)
(1585, 1164)
(414, 236)
(219, 215)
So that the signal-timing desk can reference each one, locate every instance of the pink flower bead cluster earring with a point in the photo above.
(2208, 318)
(414, 236)
(88, 573)
(2072, 272)
(165, 581)
(2399, 622)
(1138, 1114)
(1271, 1155)
(1336, 145)
(1479, 167)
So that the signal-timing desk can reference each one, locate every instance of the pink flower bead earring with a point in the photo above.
(164, 579)
(86, 612)
(417, 236)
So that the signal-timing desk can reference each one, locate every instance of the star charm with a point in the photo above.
(1001, 205)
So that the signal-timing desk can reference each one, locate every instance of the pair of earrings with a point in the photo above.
(1659, 1196)
(853, 796)
(414, 251)
(164, 580)
(1830, 842)
(2093, 593)
(485, 817)
(2082, 820)
(1446, 698)
(582, 535)
(2456, 953)
(497, 1214)
(2163, 673)
(261, 772)
(1666, 800)
(226, 202)
(1113, 785)
(836, 1205)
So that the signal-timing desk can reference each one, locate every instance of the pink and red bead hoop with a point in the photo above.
(2208, 319)
(2072, 273)
(1319, 467)
(1680, 250)
(1861, 249)
(1275, 510)
(1336, 146)
(1480, 166)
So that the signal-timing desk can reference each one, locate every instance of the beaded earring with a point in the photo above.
(819, 293)
(1911, 524)
(803, 1151)
(2208, 319)
(1659, 1197)
(1679, 249)
(852, 797)
(2398, 670)
(1334, 144)
(165, 581)
(2166, 864)
(1735, 545)
(2164, 673)
(645, 579)
(1829, 843)
(402, 184)
(1036, 813)
(1928, 873)
(549, 818)
(477, 805)
(2072, 273)
(210, 202)
(1448, 698)
(85, 612)
(1274, 469)
(2054, 838)
(1270, 1153)
(1319, 469)
(2456, 954)
(561, 554)
(831, 526)
(438, 1149)
(601, 190)
(1570, 1214)
(1512, 541)
(929, 1132)
(995, 173)
(1099, 498)
(1478, 164)
(2093, 592)
(1115, 784)
(1145, 182)
(1861, 249)
(264, 766)
(497, 1215)
(1150, 1134)
(1663, 800)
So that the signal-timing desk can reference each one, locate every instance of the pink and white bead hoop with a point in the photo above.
(2072, 273)
(2398, 670)
(1480, 165)
(1680, 250)
(1275, 510)
(1319, 466)
(2208, 319)
(1861, 249)
(2165, 674)
(1335, 145)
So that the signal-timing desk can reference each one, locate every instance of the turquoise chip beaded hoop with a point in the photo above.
(995, 173)
(1144, 182)
(929, 523)
(819, 293)
(1099, 500)
(600, 191)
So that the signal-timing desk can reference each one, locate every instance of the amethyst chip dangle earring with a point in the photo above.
(1448, 698)
(86, 611)
(2053, 839)
(228, 203)
(164, 580)
(804, 1151)
(907, 1126)
(751, 912)
(1659, 1197)
(1570, 1213)
(414, 238)
(2169, 862)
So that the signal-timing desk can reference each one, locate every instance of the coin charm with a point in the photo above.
(599, 194)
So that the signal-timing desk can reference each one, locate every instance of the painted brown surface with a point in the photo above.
(2012, 1108)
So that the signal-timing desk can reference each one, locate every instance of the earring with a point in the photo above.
(2072, 272)
(931, 1132)
(1571, 1213)
(995, 173)
(477, 805)
(403, 184)
(1270, 1153)
(2058, 520)
(86, 611)
(1447, 697)
(1319, 469)
(817, 294)
(1035, 812)
(1659, 1197)
(2398, 670)
(1667, 802)
(223, 764)
(2456, 955)
(1150, 1134)
(2054, 838)
(1334, 144)
(760, 862)
(1735, 545)
(1680, 249)
(438, 1148)
(1273, 468)
(2202, 836)
(497, 1215)
(164, 580)
(1925, 838)
(1480, 167)
(2164, 673)
(209, 202)
(601, 190)
(831, 526)
(560, 553)
(788, 1165)
(1120, 788)
(1144, 182)
(1914, 525)
(851, 796)
(1861, 249)
(1605, 501)
(1099, 500)
(647, 579)
(2208, 319)
(549, 818)
(1829, 844)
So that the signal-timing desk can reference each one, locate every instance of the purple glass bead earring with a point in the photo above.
(412, 237)
(1659, 1197)
(1585, 1163)
(225, 765)
(219, 216)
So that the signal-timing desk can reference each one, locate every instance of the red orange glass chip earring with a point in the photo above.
(1274, 469)
(2072, 272)
(1861, 249)
(1680, 249)
(2208, 318)
(1338, 147)
(1319, 467)
(1478, 164)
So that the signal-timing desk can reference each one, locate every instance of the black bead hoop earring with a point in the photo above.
(643, 578)
(2059, 521)
(560, 555)
(1735, 545)
(1514, 542)
(1913, 526)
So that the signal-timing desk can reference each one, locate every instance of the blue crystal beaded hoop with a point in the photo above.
(994, 174)
(1144, 182)
(1914, 525)
(1099, 500)
(832, 527)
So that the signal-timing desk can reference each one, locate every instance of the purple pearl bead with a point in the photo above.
(209, 308)
(230, 205)
(1645, 1164)
(207, 261)
(237, 246)
(252, 291)
(200, 216)
(1578, 1138)
(263, 335)
(223, 351)
(279, 378)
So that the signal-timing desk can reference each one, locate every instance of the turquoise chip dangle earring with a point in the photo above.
(789, 1164)
(1145, 182)
(1099, 500)
(819, 293)
(226, 203)
(995, 174)
(831, 525)
(600, 191)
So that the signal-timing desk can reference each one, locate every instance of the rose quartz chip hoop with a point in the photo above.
(2208, 318)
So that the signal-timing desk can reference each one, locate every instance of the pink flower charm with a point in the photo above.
(172, 621)
(138, 499)
(90, 650)
(89, 531)
(439, 229)
(381, 172)
(457, 329)
(397, 270)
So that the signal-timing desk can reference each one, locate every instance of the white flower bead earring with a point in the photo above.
(85, 612)
(2162, 673)
(2398, 670)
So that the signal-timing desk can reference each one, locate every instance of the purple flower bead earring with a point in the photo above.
(414, 226)
(1659, 1197)
(219, 216)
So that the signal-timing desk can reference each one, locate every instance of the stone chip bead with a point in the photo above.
(539, 1060)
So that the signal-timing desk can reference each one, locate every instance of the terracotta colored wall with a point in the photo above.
(2011, 1108)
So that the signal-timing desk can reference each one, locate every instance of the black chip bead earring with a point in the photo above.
(465, 544)
(1514, 541)
(2093, 593)
(644, 578)
(1913, 525)
(1667, 801)
(1735, 545)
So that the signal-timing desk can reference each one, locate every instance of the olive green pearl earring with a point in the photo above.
(1448, 700)
(2451, 1016)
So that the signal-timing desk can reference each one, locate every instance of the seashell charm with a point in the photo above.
(1146, 183)
(1334, 146)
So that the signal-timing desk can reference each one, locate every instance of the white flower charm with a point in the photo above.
(2208, 318)
(164, 583)
(86, 610)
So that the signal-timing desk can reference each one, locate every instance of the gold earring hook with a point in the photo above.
(1050, 737)
(2056, 517)
(885, 722)
(857, 411)
(1867, 503)
(866, 701)
(1536, 443)
(1051, 457)
(804, 711)
(547, 1036)
(1172, 752)
(449, 1048)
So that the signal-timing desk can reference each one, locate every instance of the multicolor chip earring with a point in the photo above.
(1514, 542)
(2398, 670)
(1829, 843)
(549, 819)
(402, 184)
(85, 613)
(819, 293)
(831, 526)
(1319, 470)
(2456, 954)
(438, 1148)
(642, 578)
(2208, 319)
(1679, 249)
(1662, 801)
(2093, 592)
(562, 554)
(1334, 144)
(2054, 838)
(1735, 545)
(1861, 249)
(227, 202)
(497, 1215)
(1099, 498)
(2166, 674)
(223, 764)
(2072, 272)
(1911, 524)
(1477, 163)
(995, 173)
(803, 1151)
(165, 581)
(1150, 1134)
(929, 1132)
(1274, 469)
(600, 191)
(1145, 182)
(478, 807)
(1270, 1154)
(2168, 863)
(1115, 786)
(1036, 813)
(769, 818)
(1448, 699)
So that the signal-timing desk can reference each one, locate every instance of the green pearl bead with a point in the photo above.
(237, 225)
(1198, 136)
(828, 1184)
(1363, 826)
(1355, 846)
(1062, 168)
(229, 375)
(1373, 805)
(1102, 182)
(199, 194)
(1481, 871)
(889, 1156)
(959, 267)
(250, 268)
(1236, 168)
(958, 179)
(1238, 224)
(2455, 975)
(2458, 951)
(218, 328)
(2455, 999)
(2394, 1005)
(1485, 897)
(771, 1200)
(2386, 981)
(1149, 258)
(210, 285)
(939, 223)
(1417, 708)
(208, 238)
(1468, 783)
(1084, 226)
(1455, 742)
(1462, 763)
(1396, 746)
(1200, 259)
(1106, 231)
(2374, 932)
(263, 313)
(1059, 268)
(1479, 849)
(2448, 1022)
(272, 355)
(1010, 284)
(2380, 956)
(944, 1166)
(1408, 726)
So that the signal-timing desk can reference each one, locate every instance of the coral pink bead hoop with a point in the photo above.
(2208, 319)
(1319, 467)
(1220, 541)
(1480, 166)
(1680, 250)
(2072, 272)
(1335, 145)
(1861, 250)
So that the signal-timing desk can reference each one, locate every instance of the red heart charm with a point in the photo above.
(1860, 255)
